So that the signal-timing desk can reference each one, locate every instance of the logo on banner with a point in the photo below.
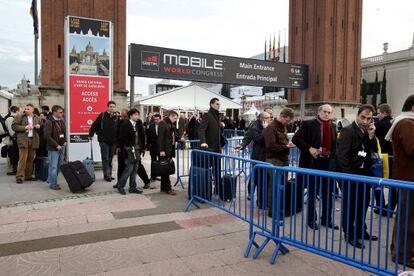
(150, 61)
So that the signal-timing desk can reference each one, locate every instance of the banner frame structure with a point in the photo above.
(166, 63)
(91, 83)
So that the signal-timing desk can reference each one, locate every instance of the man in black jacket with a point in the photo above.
(120, 153)
(209, 133)
(316, 140)
(355, 145)
(166, 146)
(254, 134)
(105, 126)
(382, 127)
(133, 146)
(152, 139)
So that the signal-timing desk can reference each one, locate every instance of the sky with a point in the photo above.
(228, 27)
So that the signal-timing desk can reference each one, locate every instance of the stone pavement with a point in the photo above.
(100, 232)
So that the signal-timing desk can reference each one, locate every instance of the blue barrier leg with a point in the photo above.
(260, 249)
(191, 202)
(249, 246)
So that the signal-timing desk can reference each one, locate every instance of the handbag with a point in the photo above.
(163, 167)
(380, 164)
(4, 151)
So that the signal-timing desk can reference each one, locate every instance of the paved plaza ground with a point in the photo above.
(99, 232)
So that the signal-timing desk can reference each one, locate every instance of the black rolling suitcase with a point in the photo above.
(200, 180)
(41, 168)
(76, 176)
(293, 197)
(227, 188)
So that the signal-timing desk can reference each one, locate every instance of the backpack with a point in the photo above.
(4, 132)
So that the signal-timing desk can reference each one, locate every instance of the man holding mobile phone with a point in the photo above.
(355, 145)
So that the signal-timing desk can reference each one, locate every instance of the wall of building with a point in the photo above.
(399, 68)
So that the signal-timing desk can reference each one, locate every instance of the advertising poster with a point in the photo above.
(88, 77)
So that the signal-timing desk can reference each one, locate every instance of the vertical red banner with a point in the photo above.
(88, 98)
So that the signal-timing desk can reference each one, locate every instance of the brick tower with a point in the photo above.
(53, 13)
(326, 35)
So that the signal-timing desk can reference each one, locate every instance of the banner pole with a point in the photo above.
(36, 74)
(302, 103)
(131, 92)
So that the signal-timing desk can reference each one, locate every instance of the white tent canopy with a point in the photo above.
(252, 111)
(188, 97)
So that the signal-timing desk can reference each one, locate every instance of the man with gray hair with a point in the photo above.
(316, 140)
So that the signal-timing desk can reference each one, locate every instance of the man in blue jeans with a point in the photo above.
(105, 126)
(55, 136)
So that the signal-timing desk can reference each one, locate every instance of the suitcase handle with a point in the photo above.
(91, 150)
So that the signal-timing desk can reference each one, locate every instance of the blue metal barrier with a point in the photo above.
(289, 223)
(228, 133)
(292, 206)
(183, 155)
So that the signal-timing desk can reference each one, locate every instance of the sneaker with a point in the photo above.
(56, 187)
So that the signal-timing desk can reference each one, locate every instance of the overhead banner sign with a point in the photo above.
(158, 62)
(88, 78)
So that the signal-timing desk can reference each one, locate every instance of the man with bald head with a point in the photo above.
(316, 140)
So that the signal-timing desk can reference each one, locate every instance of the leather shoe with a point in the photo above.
(30, 179)
(358, 243)
(331, 225)
(136, 191)
(368, 237)
(171, 192)
(115, 186)
(19, 180)
(112, 178)
(121, 191)
(384, 212)
(108, 179)
(313, 225)
(147, 186)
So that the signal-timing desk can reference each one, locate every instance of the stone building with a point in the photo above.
(399, 67)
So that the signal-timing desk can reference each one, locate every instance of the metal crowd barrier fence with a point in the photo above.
(185, 147)
(363, 239)
(299, 207)
(228, 133)
(221, 181)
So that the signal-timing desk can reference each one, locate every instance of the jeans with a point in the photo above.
(107, 153)
(130, 172)
(55, 161)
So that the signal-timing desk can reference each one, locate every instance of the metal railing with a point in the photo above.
(299, 207)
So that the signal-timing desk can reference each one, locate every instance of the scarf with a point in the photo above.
(404, 115)
(326, 130)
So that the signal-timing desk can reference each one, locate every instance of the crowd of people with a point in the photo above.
(31, 134)
(348, 150)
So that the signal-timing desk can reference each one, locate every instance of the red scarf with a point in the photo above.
(326, 130)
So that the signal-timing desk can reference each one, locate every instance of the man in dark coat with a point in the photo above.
(166, 146)
(355, 145)
(193, 125)
(255, 135)
(105, 126)
(133, 146)
(316, 140)
(382, 126)
(209, 133)
(152, 139)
